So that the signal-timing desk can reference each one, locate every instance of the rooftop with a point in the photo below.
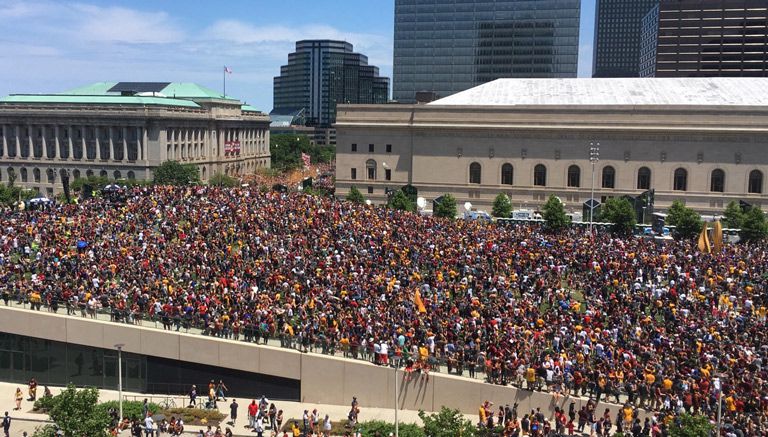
(184, 94)
(716, 91)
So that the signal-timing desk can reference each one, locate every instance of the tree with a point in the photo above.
(222, 180)
(754, 226)
(75, 413)
(400, 201)
(691, 426)
(96, 182)
(446, 423)
(286, 150)
(446, 208)
(686, 221)
(553, 213)
(174, 173)
(733, 217)
(502, 206)
(355, 196)
(621, 213)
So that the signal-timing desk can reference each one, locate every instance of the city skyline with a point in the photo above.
(52, 46)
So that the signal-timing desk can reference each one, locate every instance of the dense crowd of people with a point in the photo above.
(657, 325)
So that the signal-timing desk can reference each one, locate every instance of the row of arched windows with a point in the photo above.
(608, 178)
(23, 174)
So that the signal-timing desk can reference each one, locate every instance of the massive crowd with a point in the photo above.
(658, 325)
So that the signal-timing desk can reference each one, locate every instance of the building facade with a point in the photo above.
(122, 131)
(322, 73)
(698, 140)
(618, 25)
(705, 38)
(447, 46)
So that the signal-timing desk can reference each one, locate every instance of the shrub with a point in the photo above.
(380, 428)
(44, 404)
(196, 416)
(131, 409)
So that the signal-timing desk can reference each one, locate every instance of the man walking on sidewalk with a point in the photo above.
(6, 424)
(233, 411)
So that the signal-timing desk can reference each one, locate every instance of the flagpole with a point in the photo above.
(224, 75)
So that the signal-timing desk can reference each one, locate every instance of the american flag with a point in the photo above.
(307, 159)
(227, 70)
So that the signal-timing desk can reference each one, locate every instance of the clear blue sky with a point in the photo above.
(53, 45)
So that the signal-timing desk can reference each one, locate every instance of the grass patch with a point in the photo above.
(195, 416)
(373, 428)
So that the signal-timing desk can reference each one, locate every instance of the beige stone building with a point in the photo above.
(702, 141)
(124, 130)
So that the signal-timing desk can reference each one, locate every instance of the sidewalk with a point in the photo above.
(26, 420)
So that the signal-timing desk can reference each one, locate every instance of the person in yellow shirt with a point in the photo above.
(481, 414)
(667, 384)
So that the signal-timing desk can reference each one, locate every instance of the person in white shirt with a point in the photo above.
(327, 426)
(149, 427)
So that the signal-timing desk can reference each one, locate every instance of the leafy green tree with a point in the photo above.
(447, 423)
(446, 208)
(175, 173)
(686, 221)
(733, 217)
(222, 180)
(355, 196)
(502, 206)
(754, 227)
(96, 182)
(10, 194)
(553, 213)
(400, 201)
(691, 426)
(621, 213)
(380, 428)
(286, 150)
(75, 413)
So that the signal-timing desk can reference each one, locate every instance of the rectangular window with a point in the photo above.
(354, 147)
(370, 148)
(389, 148)
(370, 190)
(388, 174)
(353, 173)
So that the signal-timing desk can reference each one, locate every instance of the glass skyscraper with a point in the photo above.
(617, 37)
(447, 46)
(706, 38)
(322, 73)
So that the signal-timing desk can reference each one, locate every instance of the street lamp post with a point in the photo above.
(119, 347)
(397, 396)
(594, 156)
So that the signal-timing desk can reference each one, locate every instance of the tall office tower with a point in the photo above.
(705, 38)
(322, 73)
(617, 37)
(446, 46)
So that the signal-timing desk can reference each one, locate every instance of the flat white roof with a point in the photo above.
(715, 91)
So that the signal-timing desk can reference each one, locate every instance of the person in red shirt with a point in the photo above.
(253, 410)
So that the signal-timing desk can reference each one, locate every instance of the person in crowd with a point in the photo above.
(18, 397)
(233, 412)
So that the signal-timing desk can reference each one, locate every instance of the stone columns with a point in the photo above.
(30, 146)
(125, 144)
(43, 143)
(56, 141)
(111, 143)
(83, 144)
(96, 132)
(5, 141)
(144, 140)
(17, 141)
(70, 147)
